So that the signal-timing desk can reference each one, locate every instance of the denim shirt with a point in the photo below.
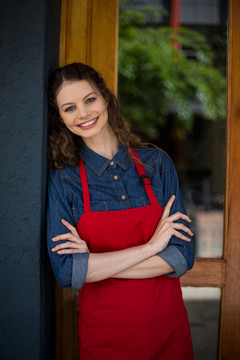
(113, 185)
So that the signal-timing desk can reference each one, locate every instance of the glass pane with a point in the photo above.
(173, 93)
(203, 306)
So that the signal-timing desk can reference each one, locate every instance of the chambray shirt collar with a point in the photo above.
(98, 163)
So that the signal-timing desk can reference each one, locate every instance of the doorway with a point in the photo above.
(80, 41)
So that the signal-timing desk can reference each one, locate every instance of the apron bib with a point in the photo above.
(121, 319)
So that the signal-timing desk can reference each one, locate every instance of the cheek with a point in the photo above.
(65, 119)
(103, 111)
(102, 108)
(105, 115)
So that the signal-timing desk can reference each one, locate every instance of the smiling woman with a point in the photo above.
(84, 111)
(83, 97)
(117, 227)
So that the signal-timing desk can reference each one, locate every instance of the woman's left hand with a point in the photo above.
(74, 244)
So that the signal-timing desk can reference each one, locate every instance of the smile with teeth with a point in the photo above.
(88, 123)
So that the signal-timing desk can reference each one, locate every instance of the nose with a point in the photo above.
(82, 112)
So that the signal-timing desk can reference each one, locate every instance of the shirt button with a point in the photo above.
(123, 197)
(111, 163)
(115, 177)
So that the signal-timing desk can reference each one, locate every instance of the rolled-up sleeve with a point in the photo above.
(176, 259)
(79, 270)
(69, 270)
(179, 253)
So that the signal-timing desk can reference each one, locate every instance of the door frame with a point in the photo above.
(89, 34)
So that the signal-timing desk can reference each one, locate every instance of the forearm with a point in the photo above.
(105, 265)
(151, 267)
(108, 264)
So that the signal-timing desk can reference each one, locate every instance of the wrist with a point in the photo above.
(155, 246)
(150, 249)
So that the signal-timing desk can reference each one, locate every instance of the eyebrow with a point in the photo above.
(70, 103)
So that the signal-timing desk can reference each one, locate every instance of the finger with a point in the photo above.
(182, 227)
(181, 236)
(168, 206)
(67, 236)
(69, 226)
(69, 245)
(178, 215)
(72, 251)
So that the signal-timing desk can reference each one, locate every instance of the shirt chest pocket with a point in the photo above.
(95, 206)
(109, 206)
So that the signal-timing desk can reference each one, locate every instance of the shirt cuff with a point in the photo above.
(176, 259)
(79, 270)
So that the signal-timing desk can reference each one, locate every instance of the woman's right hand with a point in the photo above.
(73, 243)
(167, 227)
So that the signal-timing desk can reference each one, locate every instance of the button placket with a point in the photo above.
(118, 185)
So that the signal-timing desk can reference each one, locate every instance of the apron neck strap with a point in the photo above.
(85, 189)
(142, 175)
(144, 178)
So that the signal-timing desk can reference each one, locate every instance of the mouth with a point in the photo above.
(88, 124)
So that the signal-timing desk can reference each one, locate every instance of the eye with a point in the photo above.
(70, 108)
(90, 100)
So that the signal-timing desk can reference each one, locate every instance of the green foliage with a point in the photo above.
(155, 78)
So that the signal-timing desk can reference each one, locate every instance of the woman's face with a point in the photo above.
(83, 109)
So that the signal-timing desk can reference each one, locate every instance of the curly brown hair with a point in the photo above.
(63, 144)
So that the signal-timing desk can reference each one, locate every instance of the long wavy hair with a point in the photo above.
(63, 144)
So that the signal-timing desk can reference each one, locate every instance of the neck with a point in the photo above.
(107, 147)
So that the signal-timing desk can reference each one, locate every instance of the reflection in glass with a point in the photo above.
(203, 185)
(173, 93)
(203, 306)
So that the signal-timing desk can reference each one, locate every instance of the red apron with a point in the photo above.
(121, 319)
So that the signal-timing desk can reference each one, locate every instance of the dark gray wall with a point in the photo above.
(29, 33)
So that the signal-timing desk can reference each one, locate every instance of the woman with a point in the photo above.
(117, 227)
